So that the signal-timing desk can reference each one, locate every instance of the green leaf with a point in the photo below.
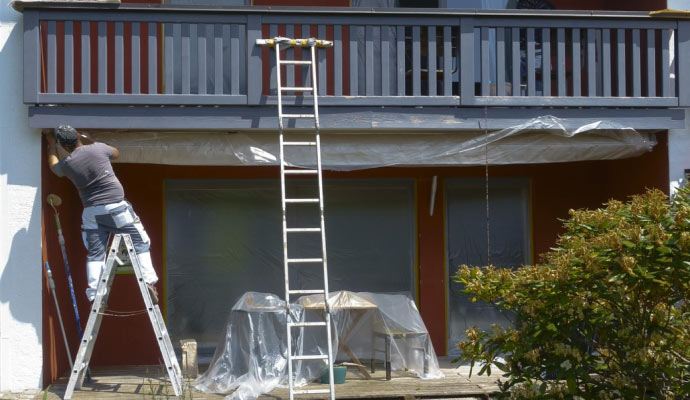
(664, 250)
(501, 366)
(572, 385)
(628, 244)
(551, 327)
(670, 371)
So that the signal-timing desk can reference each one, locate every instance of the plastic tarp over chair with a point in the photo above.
(407, 345)
(252, 359)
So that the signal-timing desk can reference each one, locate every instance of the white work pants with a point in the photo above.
(98, 222)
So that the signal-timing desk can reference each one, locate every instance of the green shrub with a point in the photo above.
(606, 316)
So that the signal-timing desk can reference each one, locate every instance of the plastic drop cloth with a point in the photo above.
(251, 359)
(540, 140)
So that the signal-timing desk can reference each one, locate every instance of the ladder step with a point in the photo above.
(310, 291)
(303, 324)
(299, 143)
(297, 89)
(311, 391)
(303, 230)
(298, 116)
(301, 172)
(296, 62)
(311, 357)
(305, 260)
(301, 200)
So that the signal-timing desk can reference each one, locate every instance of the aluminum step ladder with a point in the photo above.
(88, 341)
(286, 172)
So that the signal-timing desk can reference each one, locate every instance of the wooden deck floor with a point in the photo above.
(146, 382)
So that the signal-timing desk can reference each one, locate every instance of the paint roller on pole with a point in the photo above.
(55, 201)
(51, 283)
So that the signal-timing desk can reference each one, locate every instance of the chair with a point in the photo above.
(416, 341)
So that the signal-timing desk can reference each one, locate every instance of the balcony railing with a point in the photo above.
(133, 55)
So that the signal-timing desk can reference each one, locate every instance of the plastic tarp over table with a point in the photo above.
(252, 358)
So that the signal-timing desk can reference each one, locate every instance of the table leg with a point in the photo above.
(388, 357)
(355, 360)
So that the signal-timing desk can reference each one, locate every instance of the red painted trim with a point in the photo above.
(432, 261)
(60, 56)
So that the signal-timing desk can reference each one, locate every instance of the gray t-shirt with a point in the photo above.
(88, 167)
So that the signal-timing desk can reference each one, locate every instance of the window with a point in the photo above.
(224, 238)
(466, 237)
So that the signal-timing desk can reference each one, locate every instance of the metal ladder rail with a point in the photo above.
(95, 318)
(158, 323)
(93, 325)
(286, 230)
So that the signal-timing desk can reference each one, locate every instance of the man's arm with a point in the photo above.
(87, 139)
(52, 150)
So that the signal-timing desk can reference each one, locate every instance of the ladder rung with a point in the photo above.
(299, 143)
(305, 260)
(303, 230)
(301, 172)
(301, 200)
(311, 391)
(309, 291)
(297, 89)
(311, 357)
(296, 62)
(303, 324)
(298, 115)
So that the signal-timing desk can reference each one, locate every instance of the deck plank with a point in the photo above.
(126, 382)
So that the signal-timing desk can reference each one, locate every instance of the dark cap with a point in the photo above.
(66, 135)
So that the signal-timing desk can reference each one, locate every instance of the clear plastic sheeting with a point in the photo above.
(252, 358)
(540, 140)
(223, 238)
(466, 233)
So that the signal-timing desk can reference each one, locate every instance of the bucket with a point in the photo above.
(339, 372)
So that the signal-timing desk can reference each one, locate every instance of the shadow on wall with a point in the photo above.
(20, 268)
(22, 304)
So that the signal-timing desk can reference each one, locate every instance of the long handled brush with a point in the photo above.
(55, 201)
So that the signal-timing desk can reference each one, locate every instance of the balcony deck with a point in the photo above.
(115, 66)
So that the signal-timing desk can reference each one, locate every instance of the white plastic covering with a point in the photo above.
(252, 357)
(540, 140)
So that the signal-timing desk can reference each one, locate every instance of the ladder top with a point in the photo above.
(311, 42)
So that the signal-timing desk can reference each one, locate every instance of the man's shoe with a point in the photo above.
(153, 293)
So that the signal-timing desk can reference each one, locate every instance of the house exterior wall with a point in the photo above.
(21, 354)
(678, 156)
(555, 188)
(28, 342)
(679, 139)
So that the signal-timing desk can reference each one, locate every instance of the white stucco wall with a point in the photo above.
(679, 139)
(21, 355)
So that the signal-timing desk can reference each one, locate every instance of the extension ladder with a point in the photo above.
(287, 171)
(98, 308)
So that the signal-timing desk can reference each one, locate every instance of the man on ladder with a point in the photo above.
(288, 170)
(107, 213)
(105, 209)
